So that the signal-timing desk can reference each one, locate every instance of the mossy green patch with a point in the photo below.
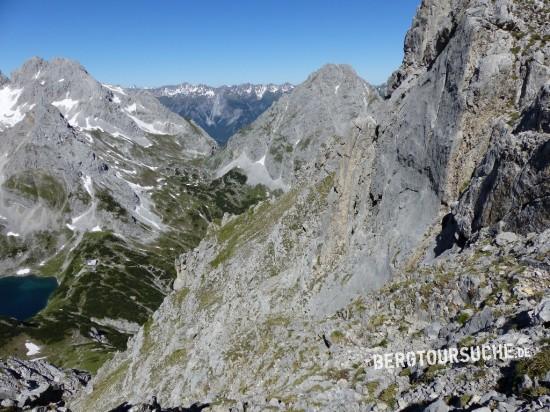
(250, 225)
(38, 185)
(389, 395)
(108, 203)
(462, 318)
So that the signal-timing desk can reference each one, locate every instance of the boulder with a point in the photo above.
(438, 406)
(541, 313)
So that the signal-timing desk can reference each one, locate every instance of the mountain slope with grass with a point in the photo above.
(101, 188)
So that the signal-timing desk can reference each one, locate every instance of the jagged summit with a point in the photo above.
(90, 105)
(287, 137)
(36, 66)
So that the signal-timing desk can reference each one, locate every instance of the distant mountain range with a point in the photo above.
(220, 111)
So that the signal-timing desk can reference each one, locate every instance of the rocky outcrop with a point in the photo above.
(30, 385)
(511, 186)
(536, 117)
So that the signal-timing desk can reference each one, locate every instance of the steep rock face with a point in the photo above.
(251, 320)
(511, 185)
(221, 111)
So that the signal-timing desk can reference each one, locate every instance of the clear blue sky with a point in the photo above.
(151, 43)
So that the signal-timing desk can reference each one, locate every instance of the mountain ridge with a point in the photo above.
(202, 89)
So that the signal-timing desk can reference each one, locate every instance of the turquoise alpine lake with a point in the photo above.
(22, 297)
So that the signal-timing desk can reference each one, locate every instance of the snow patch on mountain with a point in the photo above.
(147, 127)
(116, 89)
(10, 116)
(66, 105)
(255, 170)
(32, 349)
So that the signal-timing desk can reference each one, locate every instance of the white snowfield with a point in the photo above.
(66, 105)
(9, 114)
(32, 349)
(255, 170)
(22, 272)
(115, 89)
(147, 127)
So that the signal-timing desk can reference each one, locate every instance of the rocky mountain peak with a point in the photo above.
(60, 126)
(89, 105)
(331, 72)
(287, 138)
(39, 70)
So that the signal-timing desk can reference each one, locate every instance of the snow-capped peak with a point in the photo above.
(187, 89)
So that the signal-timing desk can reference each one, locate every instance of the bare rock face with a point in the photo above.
(289, 136)
(280, 307)
(510, 187)
(537, 116)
